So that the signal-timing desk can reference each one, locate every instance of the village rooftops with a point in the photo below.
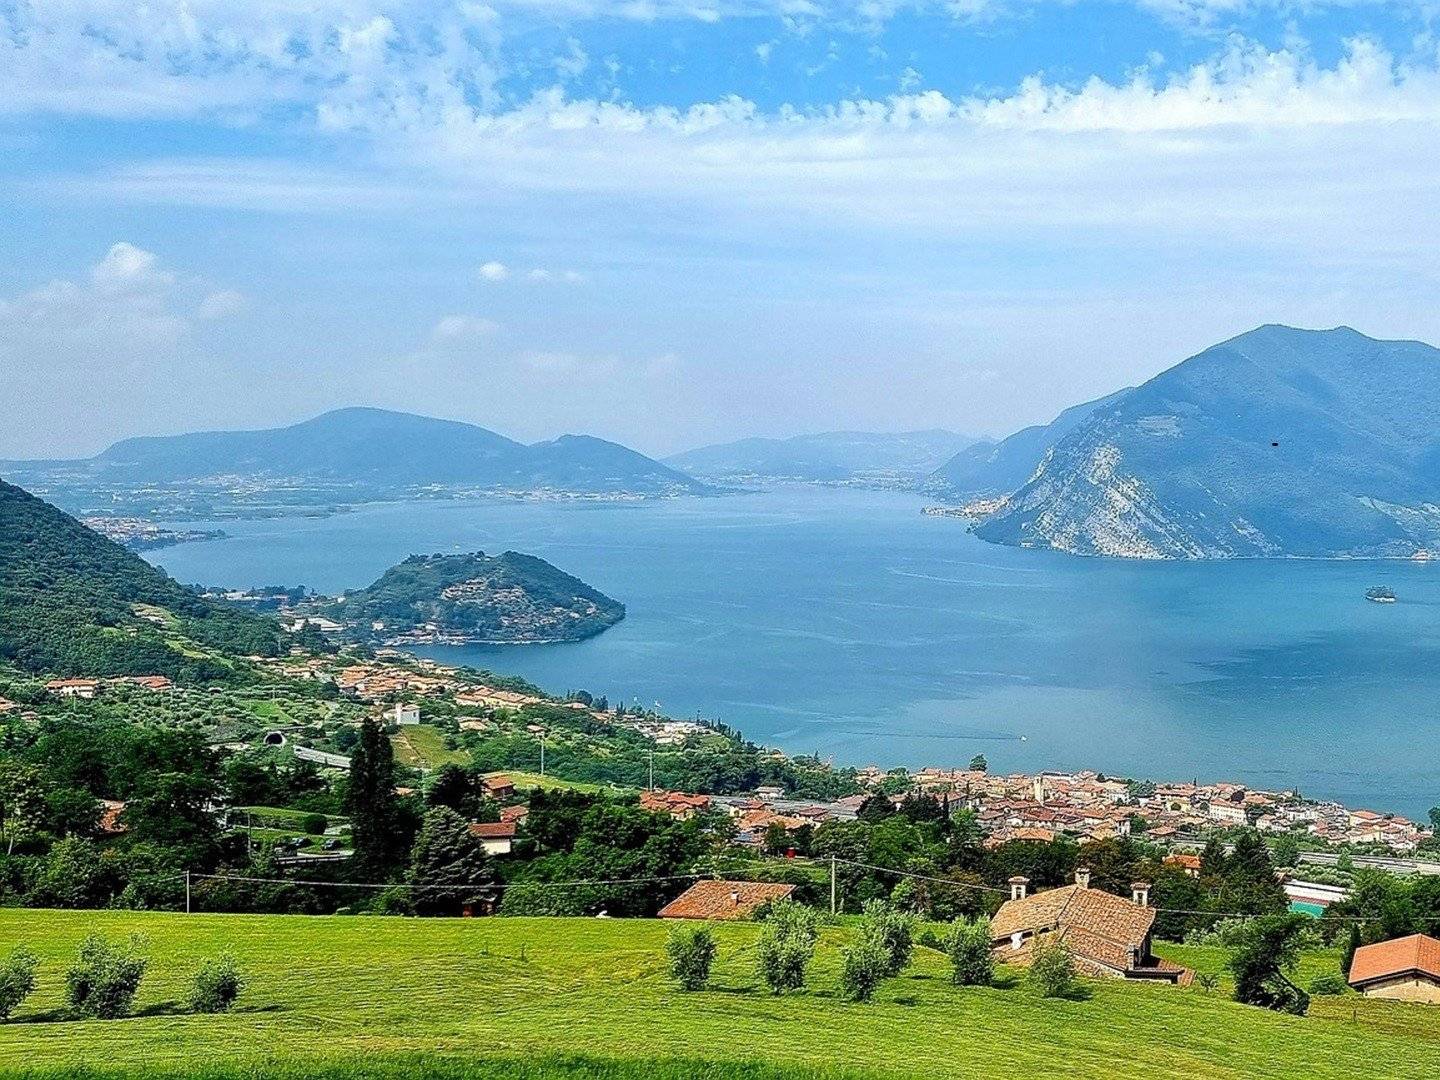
(724, 899)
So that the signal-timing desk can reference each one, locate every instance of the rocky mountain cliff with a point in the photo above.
(1279, 442)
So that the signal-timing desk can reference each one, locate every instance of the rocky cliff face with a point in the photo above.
(1279, 442)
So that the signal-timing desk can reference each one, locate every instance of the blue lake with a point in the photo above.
(848, 624)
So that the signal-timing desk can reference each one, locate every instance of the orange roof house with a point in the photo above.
(1403, 969)
(677, 804)
(724, 899)
(1107, 934)
(498, 837)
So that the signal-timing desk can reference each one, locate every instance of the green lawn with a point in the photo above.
(359, 997)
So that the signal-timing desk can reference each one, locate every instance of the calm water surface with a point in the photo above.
(848, 624)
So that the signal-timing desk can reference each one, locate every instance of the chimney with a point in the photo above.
(1140, 893)
(1019, 886)
(1082, 876)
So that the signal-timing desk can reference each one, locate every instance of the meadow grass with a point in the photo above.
(423, 747)
(351, 997)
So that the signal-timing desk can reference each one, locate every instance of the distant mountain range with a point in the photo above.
(835, 456)
(1279, 442)
(374, 450)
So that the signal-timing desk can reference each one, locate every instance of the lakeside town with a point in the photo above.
(1085, 805)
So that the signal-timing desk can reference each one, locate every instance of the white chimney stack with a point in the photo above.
(1082, 876)
(1140, 893)
(1019, 886)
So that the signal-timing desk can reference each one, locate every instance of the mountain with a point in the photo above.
(506, 598)
(75, 603)
(832, 456)
(988, 469)
(1277, 442)
(373, 449)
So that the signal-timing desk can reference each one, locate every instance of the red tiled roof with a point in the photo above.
(723, 899)
(514, 813)
(1091, 913)
(1418, 953)
(493, 830)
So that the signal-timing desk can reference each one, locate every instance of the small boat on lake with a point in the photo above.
(1380, 594)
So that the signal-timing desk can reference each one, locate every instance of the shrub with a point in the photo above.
(314, 824)
(892, 931)
(1052, 968)
(17, 979)
(970, 955)
(216, 985)
(104, 978)
(928, 939)
(787, 945)
(691, 950)
(1207, 981)
(867, 963)
(1328, 983)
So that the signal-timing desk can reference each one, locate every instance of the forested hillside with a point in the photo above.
(74, 603)
(506, 597)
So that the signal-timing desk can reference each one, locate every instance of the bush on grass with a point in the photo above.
(105, 977)
(216, 985)
(17, 980)
(691, 950)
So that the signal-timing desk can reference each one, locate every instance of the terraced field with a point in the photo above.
(363, 997)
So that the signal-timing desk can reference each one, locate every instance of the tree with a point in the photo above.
(691, 950)
(1286, 850)
(1268, 950)
(970, 957)
(979, 764)
(448, 865)
(217, 985)
(173, 811)
(22, 802)
(787, 945)
(1435, 818)
(370, 800)
(1052, 968)
(876, 808)
(1347, 955)
(866, 965)
(892, 931)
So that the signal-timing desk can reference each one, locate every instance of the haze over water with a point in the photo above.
(847, 624)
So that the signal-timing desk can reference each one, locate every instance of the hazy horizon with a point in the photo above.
(671, 225)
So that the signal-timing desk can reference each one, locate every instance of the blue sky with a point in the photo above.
(670, 223)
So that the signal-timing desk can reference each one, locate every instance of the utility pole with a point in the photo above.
(542, 754)
(187, 892)
(652, 768)
(832, 884)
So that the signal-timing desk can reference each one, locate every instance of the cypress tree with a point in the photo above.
(370, 799)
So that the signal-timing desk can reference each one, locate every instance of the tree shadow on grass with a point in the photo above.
(1076, 992)
(161, 1008)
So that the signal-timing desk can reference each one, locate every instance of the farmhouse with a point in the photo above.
(498, 786)
(1108, 935)
(1404, 969)
(73, 688)
(498, 837)
(724, 899)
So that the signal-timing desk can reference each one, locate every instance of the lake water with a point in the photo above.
(848, 624)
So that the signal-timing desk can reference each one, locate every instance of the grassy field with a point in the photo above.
(551, 783)
(423, 747)
(360, 998)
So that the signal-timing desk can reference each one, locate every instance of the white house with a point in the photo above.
(406, 715)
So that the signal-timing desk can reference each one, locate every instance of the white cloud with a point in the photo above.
(221, 304)
(462, 330)
(494, 271)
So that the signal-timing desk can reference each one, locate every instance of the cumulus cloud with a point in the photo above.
(493, 271)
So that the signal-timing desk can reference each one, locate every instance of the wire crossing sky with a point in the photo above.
(672, 223)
